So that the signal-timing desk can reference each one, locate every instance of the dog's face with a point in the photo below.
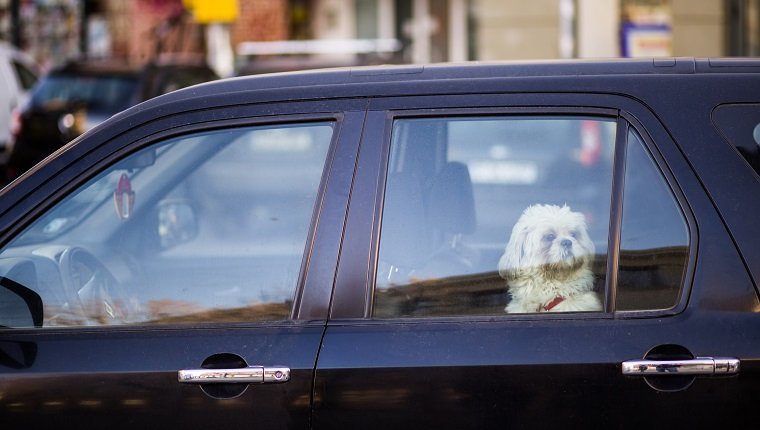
(549, 238)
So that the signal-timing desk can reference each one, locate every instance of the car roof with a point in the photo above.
(330, 81)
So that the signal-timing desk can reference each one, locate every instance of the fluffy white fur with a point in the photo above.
(547, 262)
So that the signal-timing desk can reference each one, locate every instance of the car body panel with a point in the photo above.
(129, 379)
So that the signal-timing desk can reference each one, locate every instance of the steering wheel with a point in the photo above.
(100, 299)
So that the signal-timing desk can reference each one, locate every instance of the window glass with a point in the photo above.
(209, 227)
(740, 125)
(26, 77)
(487, 215)
(99, 93)
(654, 238)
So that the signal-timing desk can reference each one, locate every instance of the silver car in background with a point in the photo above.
(18, 74)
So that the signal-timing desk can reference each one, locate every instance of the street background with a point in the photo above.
(244, 36)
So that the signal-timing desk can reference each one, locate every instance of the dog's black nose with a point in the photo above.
(566, 243)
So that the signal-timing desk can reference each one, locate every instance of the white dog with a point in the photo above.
(547, 262)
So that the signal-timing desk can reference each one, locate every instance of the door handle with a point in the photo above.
(244, 375)
(695, 366)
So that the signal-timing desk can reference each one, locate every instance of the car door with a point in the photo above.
(430, 325)
(178, 274)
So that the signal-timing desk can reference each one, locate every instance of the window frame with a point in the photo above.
(630, 122)
(307, 305)
(624, 122)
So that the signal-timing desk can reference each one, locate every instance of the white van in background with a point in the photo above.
(18, 73)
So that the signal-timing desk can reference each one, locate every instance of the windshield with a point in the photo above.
(102, 93)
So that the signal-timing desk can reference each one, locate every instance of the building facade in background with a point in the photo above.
(404, 31)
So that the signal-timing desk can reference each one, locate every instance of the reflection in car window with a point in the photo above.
(80, 204)
(654, 237)
(209, 227)
(488, 215)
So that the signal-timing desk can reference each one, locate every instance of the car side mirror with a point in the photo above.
(177, 223)
(19, 306)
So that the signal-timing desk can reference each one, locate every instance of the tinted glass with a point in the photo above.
(654, 243)
(26, 77)
(209, 227)
(740, 125)
(492, 214)
(100, 93)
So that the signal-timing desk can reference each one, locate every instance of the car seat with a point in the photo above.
(451, 214)
(405, 242)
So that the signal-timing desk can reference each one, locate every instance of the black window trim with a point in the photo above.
(625, 122)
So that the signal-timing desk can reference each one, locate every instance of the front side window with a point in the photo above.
(487, 215)
(208, 227)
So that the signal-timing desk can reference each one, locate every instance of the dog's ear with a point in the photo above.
(515, 252)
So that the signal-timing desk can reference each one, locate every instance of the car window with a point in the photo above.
(479, 211)
(654, 242)
(740, 125)
(26, 77)
(208, 227)
(101, 93)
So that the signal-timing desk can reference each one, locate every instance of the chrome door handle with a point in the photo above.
(695, 366)
(247, 375)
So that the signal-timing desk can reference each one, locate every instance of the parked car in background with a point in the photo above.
(80, 95)
(324, 250)
(18, 74)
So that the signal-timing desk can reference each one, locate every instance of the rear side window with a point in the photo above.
(511, 215)
(477, 209)
(740, 125)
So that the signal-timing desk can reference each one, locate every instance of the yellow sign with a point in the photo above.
(210, 11)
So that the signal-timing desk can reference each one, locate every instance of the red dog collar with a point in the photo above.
(555, 301)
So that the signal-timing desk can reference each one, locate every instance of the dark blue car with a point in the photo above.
(516, 245)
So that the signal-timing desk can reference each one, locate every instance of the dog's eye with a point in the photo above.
(550, 237)
(574, 234)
